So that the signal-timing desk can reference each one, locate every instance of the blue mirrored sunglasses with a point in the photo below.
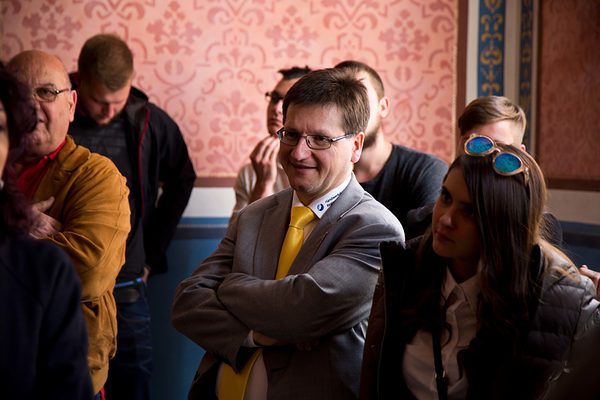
(504, 163)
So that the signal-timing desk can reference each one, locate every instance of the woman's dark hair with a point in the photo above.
(508, 211)
(509, 215)
(21, 118)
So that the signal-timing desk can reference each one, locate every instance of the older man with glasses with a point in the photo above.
(80, 201)
(263, 176)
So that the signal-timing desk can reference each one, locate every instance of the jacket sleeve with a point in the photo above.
(197, 311)
(176, 178)
(589, 317)
(95, 219)
(332, 295)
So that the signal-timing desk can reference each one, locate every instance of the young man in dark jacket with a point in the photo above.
(117, 120)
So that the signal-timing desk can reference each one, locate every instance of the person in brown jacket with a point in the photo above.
(80, 201)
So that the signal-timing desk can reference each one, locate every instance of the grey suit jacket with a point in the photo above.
(326, 296)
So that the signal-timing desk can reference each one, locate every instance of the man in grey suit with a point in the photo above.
(310, 324)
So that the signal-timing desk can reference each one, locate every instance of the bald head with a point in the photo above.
(33, 64)
(55, 102)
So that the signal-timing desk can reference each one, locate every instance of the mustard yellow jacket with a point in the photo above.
(91, 203)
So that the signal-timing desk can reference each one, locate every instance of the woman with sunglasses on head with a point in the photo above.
(481, 306)
(43, 341)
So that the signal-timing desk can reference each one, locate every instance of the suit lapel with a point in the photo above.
(270, 235)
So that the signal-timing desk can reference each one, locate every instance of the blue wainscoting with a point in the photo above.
(175, 356)
(582, 243)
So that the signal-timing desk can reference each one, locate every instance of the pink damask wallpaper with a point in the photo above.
(208, 63)
(569, 95)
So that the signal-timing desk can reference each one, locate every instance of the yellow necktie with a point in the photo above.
(233, 386)
(294, 238)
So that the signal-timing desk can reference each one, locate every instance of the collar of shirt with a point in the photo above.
(53, 155)
(31, 174)
(467, 290)
(320, 205)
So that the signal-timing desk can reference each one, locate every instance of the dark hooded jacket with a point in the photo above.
(564, 315)
(160, 163)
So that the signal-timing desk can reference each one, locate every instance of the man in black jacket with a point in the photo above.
(117, 120)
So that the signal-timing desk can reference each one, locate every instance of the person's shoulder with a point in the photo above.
(416, 163)
(157, 111)
(246, 171)
(282, 198)
(414, 154)
(393, 249)
(87, 163)
(158, 115)
(34, 248)
(139, 101)
(73, 156)
(161, 126)
(372, 211)
(35, 263)
(562, 275)
(101, 163)
(137, 95)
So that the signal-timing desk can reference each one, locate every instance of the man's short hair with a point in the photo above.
(106, 58)
(356, 67)
(489, 109)
(332, 87)
(294, 72)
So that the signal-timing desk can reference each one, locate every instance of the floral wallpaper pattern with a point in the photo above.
(208, 63)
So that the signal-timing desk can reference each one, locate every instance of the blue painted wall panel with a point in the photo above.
(582, 243)
(175, 356)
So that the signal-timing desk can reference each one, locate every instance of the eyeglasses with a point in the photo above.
(47, 94)
(273, 97)
(504, 163)
(315, 142)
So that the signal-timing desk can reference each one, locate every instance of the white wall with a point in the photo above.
(570, 205)
(210, 202)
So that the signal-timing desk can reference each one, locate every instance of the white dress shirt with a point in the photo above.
(461, 316)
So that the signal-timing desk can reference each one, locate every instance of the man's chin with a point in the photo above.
(33, 139)
(33, 152)
(102, 121)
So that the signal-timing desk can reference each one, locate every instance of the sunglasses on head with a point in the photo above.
(504, 162)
